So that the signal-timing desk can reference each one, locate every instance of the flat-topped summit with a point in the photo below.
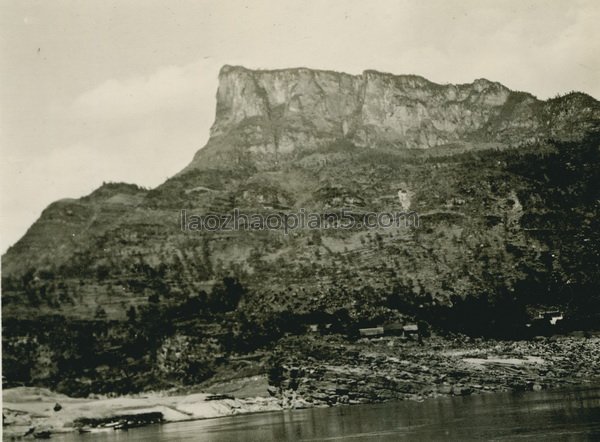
(277, 112)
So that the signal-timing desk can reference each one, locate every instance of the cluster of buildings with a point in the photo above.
(395, 329)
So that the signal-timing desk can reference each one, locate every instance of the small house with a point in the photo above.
(552, 316)
(371, 332)
(410, 329)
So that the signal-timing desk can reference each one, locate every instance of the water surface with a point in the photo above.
(553, 415)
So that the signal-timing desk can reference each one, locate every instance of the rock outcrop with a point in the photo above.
(278, 112)
(386, 369)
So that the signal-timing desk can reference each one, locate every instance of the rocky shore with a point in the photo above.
(327, 371)
(383, 369)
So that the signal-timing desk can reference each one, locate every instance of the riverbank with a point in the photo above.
(319, 371)
(393, 368)
(33, 410)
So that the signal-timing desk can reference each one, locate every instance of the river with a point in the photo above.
(572, 414)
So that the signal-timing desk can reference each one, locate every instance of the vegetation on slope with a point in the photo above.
(135, 303)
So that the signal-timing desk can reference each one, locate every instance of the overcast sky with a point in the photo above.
(96, 90)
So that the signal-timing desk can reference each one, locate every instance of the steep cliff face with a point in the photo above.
(279, 112)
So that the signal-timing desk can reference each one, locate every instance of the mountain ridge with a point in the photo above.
(251, 142)
(275, 112)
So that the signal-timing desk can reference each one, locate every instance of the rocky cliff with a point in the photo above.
(279, 112)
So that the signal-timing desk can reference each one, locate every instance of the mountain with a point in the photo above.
(505, 187)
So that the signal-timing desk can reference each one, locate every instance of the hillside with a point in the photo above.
(505, 187)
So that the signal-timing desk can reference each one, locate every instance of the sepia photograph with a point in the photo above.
(300, 220)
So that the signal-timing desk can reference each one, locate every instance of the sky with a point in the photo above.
(100, 90)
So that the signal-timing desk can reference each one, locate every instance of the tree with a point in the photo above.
(226, 295)
(100, 313)
(131, 314)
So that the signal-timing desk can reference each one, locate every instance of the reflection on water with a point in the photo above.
(556, 415)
